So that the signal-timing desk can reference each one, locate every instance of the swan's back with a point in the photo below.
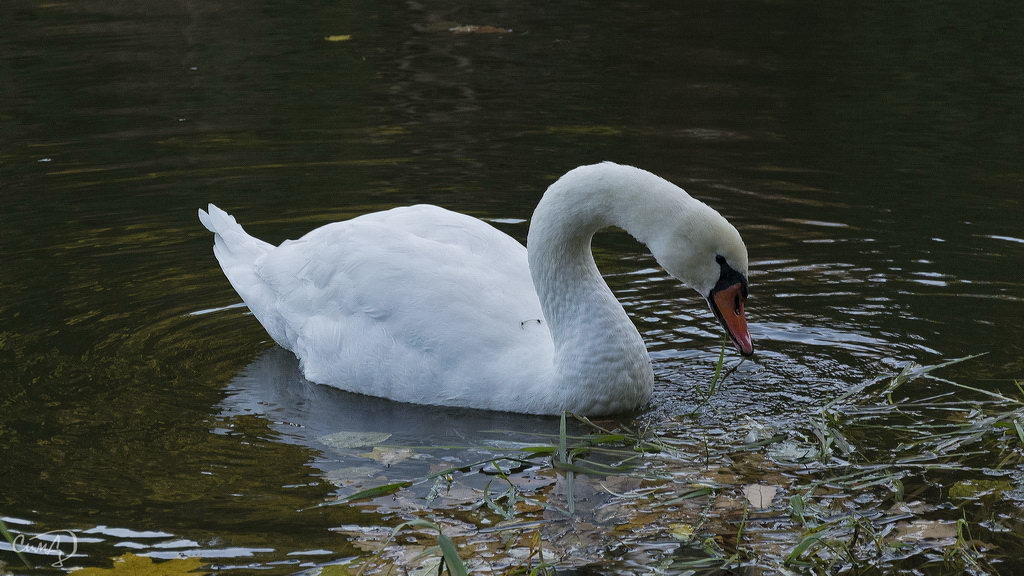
(416, 304)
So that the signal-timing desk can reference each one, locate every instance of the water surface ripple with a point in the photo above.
(869, 154)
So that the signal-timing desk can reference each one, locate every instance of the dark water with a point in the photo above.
(869, 154)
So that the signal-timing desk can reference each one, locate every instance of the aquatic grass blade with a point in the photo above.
(508, 513)
(449, 553)
(718, 369)
(379, 491)
(774, 438)
(913, 371)
(995, 395)
(561, 438)
(10, 539)
(572, 467)
(563, 460)
(797, 552)
(900, 379)
(796, 508)
(539, 449)
(926, 369)
(467, 467)
(696, 493)
(451, 556)
(370, 493)
(588, 422)
(698, 564)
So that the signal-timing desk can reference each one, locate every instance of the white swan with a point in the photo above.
(421, 304)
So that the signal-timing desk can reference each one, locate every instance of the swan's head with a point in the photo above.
(705, 252)
(690, 240)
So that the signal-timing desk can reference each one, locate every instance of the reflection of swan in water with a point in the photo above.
(345, 426)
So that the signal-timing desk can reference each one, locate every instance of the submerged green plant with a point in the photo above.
(933, 437)
(854, 504)
(964, 554)
(715, 379)
(450, 559)
(505, 503)
(11, 540)
(541, 567)
(570, 474)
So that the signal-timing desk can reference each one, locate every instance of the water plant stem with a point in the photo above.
(11, 540)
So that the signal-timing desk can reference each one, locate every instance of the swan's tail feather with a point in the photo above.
(231, 243)
(239, 255)
(207, 220)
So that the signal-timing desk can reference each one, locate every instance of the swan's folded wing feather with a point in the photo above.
(412, 304)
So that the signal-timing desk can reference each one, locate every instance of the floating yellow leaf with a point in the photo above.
(346, 439)
(338, 38)
(974, 489)
(474, 29)
(132, 565)
(388, 455)
(682, 532)
(578, 130)
(335, 570)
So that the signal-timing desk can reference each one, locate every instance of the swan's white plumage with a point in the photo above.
(421, 304)
(417, 304)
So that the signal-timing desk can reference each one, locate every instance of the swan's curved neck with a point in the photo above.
(597, 348)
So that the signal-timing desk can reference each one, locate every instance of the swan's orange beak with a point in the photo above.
(728, 306)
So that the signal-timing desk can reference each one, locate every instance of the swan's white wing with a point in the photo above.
(417, 304)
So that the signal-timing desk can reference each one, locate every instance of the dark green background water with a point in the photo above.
(869, 154)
